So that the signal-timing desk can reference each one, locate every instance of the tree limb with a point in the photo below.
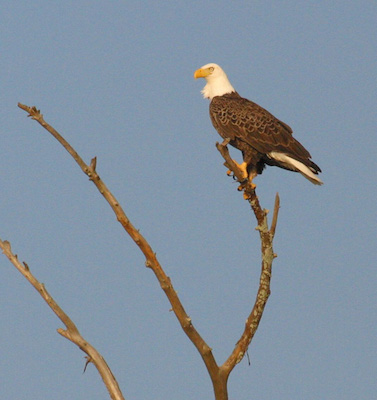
(219, 375)
(266, 236)
(71, 332)
(151, 259)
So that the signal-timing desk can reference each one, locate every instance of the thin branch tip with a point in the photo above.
(33, 112)
(275, 215)
(7, 246)
(223, 144)
(88, 361)
(93, 163)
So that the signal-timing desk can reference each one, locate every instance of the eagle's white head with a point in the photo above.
(217, 82)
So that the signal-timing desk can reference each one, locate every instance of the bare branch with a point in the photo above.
(219, 375)
(35, 114)
(268, 255)
(275, 216)
(151, 260)
(71, 332)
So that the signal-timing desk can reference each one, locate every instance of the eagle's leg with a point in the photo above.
(242, 167)
(252, 175)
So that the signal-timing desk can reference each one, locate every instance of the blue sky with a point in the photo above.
(115, 78)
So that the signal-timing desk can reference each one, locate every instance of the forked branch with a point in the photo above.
(219, 375)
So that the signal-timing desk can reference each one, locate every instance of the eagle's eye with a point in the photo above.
(211, 69)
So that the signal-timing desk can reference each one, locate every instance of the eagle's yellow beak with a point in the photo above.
(202, 73)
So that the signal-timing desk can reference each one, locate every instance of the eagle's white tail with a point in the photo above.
(295, 165)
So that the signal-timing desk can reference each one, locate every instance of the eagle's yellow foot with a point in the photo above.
(242, 167)
(243, 184)
(247, 193)
(251, 177)
(251, 184)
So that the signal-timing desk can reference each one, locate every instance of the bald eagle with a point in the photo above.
(262, 138)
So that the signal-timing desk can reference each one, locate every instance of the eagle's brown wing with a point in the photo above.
(237, 118)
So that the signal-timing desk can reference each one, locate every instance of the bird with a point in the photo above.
(262, 138)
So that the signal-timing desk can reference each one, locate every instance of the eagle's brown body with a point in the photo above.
(256, 132)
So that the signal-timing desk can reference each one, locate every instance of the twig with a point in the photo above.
(275, 215)
(71, 332)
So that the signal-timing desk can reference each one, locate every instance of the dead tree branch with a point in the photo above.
(151, 260)
(266, 236)
(219, 375)
(71, 332)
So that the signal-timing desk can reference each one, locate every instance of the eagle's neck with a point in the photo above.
(217, 86)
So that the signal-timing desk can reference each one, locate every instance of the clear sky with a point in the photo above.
(116, 79)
